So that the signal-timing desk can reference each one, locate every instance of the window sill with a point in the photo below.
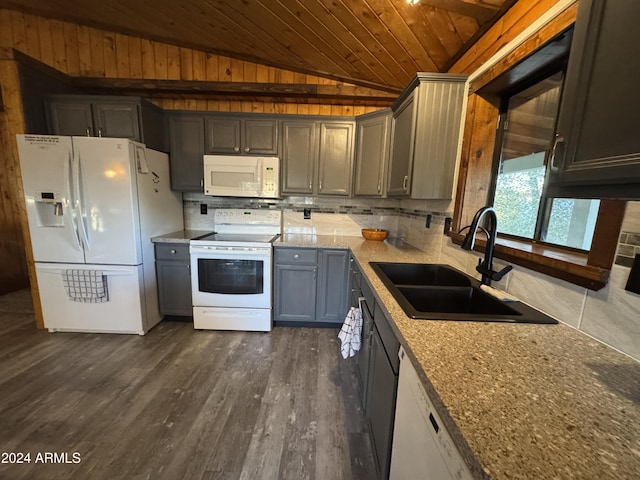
(555, 262)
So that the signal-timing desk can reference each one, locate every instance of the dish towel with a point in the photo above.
(86, 286)
(350, 332)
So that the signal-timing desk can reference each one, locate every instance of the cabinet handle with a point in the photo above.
(202, 182)
(309, 185)
(236, 149)
(559, 139)
(296, 256)
(88, 131)
(379, 187)
(320, 185)
(173, 251)
(100, 132)
(315, 273)
(247, 149)
(404, 182)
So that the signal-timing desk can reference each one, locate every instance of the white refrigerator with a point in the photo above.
(93, 205)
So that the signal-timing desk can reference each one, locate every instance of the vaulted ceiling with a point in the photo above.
(372, 43)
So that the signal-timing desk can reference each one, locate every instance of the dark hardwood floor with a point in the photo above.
(177, 403)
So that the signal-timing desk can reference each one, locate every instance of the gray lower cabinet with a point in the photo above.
(310, 285)
(382, 386)
(106, 116)
(331, 301)
(174, 279)
(373, 132)
(186, 138)
(597, 152)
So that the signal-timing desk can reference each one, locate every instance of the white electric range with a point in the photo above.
(231, 271)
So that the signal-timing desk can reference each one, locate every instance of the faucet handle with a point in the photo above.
(497, 276)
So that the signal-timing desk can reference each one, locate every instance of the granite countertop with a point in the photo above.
(520, 401)
(181, 236)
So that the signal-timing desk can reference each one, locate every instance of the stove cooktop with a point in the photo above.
(237, 238)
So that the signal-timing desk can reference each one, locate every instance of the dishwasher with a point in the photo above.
(422, 448)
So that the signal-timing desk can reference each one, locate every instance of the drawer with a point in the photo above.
(303, 256)
(172, 251)
(389, 340)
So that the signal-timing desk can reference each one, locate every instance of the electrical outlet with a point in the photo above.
(203, 208)
(307, 213)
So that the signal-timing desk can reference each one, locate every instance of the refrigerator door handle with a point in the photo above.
(80, 200)
(71, 199)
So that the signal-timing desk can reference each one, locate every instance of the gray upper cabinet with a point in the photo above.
(106, 116)
(223, 135)
(232, 135)
(317, 156)
(186, 137)
(299, 153)
(402, 145)
(372, 153)
(335, 161)
(425, 136)
(597, 153)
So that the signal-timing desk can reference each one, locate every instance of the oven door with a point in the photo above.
(231, 276)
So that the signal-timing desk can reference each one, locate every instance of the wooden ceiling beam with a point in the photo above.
(150, 88)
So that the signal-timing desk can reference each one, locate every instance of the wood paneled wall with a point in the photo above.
(78, 50)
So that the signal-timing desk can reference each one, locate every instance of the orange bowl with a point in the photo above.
(377, 234)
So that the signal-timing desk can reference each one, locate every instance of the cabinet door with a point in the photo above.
(363, 356)
(299, 155)
(335, 158)
(117, 120)
(295, 293)
(260, 137)
(402, 148)
(186, 137)
(437, 134)
(372, 155)
(174, 288)
(223, 135)
(333, 284)
(70, 118)
(381, 400)
(598, 141)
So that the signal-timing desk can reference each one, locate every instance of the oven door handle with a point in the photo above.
(229, 251)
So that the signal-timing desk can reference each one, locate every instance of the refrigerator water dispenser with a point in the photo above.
(49, 210)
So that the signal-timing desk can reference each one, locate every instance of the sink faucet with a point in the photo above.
(485, 267)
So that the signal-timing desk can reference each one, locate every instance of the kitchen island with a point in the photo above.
(519, 400)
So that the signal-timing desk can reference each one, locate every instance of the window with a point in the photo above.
(557, 221)
(524, 145)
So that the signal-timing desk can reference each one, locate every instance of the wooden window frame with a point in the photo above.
(587, 269)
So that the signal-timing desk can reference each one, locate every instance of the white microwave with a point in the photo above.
(241, 176)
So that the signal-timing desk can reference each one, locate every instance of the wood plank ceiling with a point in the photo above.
(379, 44)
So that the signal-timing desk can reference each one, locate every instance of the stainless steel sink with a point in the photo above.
(441, 292)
